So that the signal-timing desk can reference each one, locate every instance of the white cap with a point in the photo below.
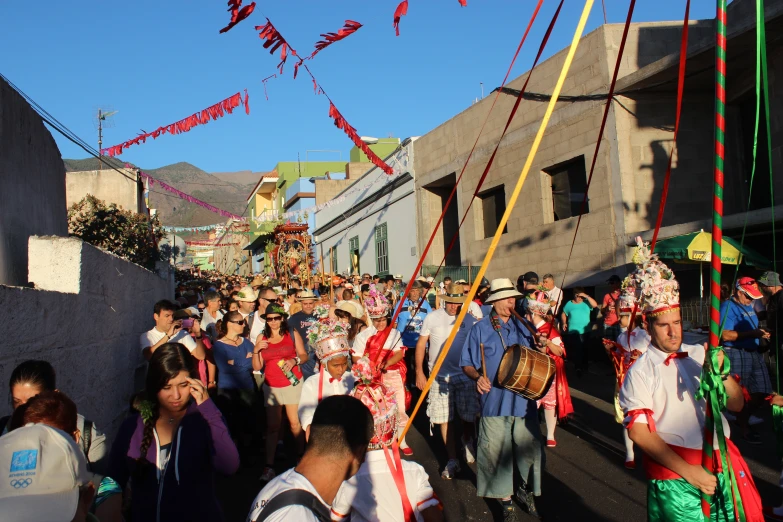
(45, 470)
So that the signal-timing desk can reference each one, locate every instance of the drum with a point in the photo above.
(526, 372)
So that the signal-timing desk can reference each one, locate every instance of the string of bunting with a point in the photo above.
(208, 244)
(237, 14)
(203, 117)
(402, 10)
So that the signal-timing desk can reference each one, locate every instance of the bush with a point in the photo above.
(126, 234)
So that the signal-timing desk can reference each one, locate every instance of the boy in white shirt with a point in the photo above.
(337, 443)
(330, 338)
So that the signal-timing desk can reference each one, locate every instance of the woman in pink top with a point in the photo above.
(279, 343)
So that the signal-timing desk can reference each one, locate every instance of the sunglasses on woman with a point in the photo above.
(274, 318)
(241, 321)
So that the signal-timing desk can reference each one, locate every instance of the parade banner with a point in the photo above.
(203, 117)
(237, 14)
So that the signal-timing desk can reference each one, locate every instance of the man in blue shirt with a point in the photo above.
(740, 337)
(509, 422)
(409, 325)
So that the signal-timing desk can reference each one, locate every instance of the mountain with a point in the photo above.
(226, 191)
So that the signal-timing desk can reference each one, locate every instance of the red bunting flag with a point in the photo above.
(274, 41)
(342, 124)
(214, 112)
(237, 14)
(401, 11)
(463, 3)
(349, 28)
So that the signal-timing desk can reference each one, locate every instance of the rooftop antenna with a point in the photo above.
(482, 89)
(102, 120)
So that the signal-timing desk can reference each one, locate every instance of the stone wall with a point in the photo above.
(32, 184)
(85, 316)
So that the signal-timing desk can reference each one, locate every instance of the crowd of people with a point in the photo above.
(236, 365)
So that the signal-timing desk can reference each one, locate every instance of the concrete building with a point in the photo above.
(626, 187)
(126, 190)
(260, 203)
(372, 229)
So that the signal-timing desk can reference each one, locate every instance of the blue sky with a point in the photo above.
(159, 61)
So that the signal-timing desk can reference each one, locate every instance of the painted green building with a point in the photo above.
(383, 147)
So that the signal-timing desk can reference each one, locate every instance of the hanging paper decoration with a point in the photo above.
(340, 123)
(264, 82)
(349, 28)
(274, 41)
(237, 14)
(200, 118)
(401, 11)
(463, 3)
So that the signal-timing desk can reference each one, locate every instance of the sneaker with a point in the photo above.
(451, 470)
(755, 420)
(752, 437)
(525, 498)
(268, 474)
(551, 443)
(408, 452)
(508, 513)
(470, 456)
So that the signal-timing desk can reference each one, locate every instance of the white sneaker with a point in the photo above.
(470, 457)
(451, 470)
(755, 420)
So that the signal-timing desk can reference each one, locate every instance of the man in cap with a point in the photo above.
(771, 287)
(527, 283)
(740, 337)
(608, 309)
(666, 419)
(509, 422)
(301, 321)
(47, 477)
(451, 392)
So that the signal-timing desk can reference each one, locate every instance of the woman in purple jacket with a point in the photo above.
(171, 449)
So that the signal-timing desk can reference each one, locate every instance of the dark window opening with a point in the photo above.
(493, 204)
(569, 184)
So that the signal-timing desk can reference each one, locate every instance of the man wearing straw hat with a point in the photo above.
(451, 391)
(301, 321)
(509, 422)
(666, 418)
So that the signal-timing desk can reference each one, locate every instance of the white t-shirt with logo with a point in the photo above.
(152, 337)
(284, 482)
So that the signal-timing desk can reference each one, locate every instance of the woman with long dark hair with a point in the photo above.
(280, 351)
(171, 449)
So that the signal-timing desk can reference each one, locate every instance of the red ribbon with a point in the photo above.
(401, 11)
(672, 356)
(399, 480)
(237, 14)
(321, 385)
(349, 28)
(346, 127)
(644, 411)
(203, 117)
(274, 41)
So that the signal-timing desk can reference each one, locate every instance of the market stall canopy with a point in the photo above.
(696, 247)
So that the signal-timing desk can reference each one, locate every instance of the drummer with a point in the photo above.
(509, 422)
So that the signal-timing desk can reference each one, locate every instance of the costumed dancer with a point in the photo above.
(509, 422)
(387, 357)
(386, 488)
(624, 352)
(330, 339)
(667, 421)
(557, 401)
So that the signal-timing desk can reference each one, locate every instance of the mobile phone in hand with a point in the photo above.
(187, 324)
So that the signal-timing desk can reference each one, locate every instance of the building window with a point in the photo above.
(567, 184)
(381, 250)
(353, 254)
(334, 260)
(493, 206)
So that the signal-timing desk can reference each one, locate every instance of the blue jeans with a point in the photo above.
(502, 441)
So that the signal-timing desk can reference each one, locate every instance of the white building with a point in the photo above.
(371, 227)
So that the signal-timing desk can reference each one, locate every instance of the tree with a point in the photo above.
(126, 234)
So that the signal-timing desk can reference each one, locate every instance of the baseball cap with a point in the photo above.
(45, 471)
(528, 277)
(614, 278)
(769, 279)
(749, 286)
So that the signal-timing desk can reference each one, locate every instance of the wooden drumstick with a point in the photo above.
(483, 361)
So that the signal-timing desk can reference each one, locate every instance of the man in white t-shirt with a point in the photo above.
(212, 314)
(246, 299)
(337, 442)
(554, 293)
(451, 392)
(169, 330)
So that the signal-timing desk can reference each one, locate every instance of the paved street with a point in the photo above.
(584, 475)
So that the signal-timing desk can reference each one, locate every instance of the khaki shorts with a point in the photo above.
(282, 396)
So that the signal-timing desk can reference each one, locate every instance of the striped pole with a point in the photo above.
(717, 198)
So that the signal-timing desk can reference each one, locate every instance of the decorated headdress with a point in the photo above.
(627, 298)
(321, 310)
(376, 304)
(379, 400)
(538, 303)
(330, 338)
(656, 288)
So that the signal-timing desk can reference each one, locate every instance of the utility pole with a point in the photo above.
(100, 140)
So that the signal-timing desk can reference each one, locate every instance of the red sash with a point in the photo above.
(565, 407)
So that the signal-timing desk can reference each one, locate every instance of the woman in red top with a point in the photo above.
(279, 343)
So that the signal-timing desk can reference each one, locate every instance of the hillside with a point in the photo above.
(227, 191)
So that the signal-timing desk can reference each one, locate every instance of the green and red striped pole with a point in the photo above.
(717, 196)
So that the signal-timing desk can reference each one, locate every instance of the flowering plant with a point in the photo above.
(362, 370)
(325, 329)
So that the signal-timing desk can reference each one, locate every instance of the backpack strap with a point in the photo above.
(295, 497)
(87, 439)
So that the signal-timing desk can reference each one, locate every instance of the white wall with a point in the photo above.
(84, 317)
(397, 209)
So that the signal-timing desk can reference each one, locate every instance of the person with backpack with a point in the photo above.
(33, 377)
(337, 440)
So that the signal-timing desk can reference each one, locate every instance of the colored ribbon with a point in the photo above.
(348, 29)
(633, 414)
(673, 356)
(237, 14)
(273, 41)
(511, 204)
(402, 10)
(203, 117)
(399, 480)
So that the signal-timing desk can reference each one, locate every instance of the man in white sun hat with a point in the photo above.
(47, 478)
(509, 422)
